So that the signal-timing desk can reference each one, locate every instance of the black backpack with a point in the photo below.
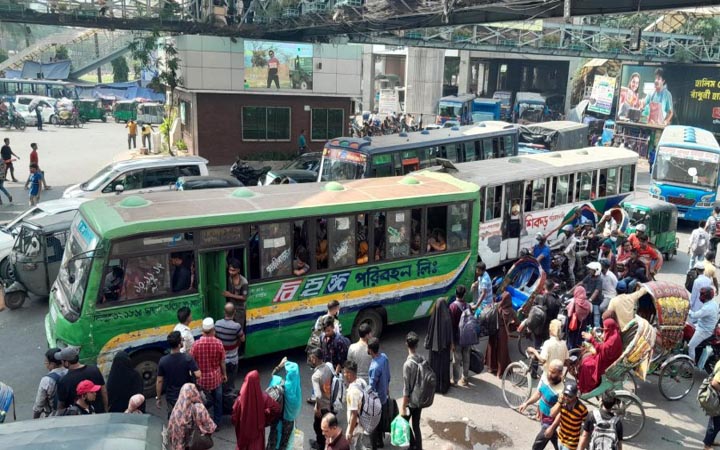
(490, 320)
(690, 278)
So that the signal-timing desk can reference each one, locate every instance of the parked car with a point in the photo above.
(138, 175)
(205, 182)
(303, 169)
(47, 104)
(9, 231)
(30, 117)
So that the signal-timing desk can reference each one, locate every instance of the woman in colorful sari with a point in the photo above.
(280, 437)
(188, 413)
(608, 351)
(580, 307)
(497, 356)
(438, 342)
(252, 410)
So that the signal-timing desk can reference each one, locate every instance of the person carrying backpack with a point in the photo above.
(357, 404)
(602, 430)
(712, 226)
(418, 388)
(461, 353)
(711, 384)
(46, 398)
(699, 243)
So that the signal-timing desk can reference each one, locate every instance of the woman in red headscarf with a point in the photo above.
(608, 351)
(497, 356)
(252, 412)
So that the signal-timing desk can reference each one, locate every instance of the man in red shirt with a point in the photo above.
(634, 238)
(35, 159)
(649, 255)
(273, 66)
(209, 353)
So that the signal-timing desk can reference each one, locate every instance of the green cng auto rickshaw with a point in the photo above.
(660, 218)
(90, 109)
(125, 110)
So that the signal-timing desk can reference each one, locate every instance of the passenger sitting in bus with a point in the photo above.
(321, 252)
(436, 241)
(113, 284)
(181, 276)
(380, 238)
(416, 244)
(362, 253)
(300, 265)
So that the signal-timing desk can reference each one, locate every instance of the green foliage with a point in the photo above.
(259, 59)
(120, 69)
(181, 145)
(160, 55)
(61, 53)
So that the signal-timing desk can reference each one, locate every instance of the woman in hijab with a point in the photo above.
(497, 356)
(137, 402)
(252, 410)
(580, 307)
(188, 413)
(593, 367)
(439, 341)
(123, 382)
(281, 434)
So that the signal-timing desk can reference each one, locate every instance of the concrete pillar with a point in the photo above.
(573, 66)
(464, 73)
(423, 81)
(368, 78)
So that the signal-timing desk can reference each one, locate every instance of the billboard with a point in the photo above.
(601, 98)
(278, 65)
(679, 94)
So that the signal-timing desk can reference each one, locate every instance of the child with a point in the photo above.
(34, 181)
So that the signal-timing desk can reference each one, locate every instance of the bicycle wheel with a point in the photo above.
(516, 384)
(632, 414)
(677, 378)
(628, 383)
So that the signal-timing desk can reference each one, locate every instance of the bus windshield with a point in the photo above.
(692, 167)
(449, 109)
(77, 261)
(341, 164)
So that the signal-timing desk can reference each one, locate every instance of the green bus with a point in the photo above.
(370, 240)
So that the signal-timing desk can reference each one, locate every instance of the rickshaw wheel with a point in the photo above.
(677, 377)
(632, 414)
(15, 299)
(516, 384)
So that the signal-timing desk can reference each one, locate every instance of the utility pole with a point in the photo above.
(97, 55)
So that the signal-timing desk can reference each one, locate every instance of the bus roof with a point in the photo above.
(689, 137)
(530, 167)
(462, 98)
(556, 125)
(120, 215)
(393, 142)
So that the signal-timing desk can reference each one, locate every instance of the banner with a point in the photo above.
(603, 92)
(389, 102)
(278, 65)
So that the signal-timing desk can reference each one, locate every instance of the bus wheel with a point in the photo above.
(146, 364)
(370, 317)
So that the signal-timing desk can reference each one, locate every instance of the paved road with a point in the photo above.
(69, 156)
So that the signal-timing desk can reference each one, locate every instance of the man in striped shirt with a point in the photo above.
(569, 414)
(231, 335)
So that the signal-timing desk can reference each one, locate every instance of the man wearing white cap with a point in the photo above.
(703, 280)
(593, 287)
(209, 353)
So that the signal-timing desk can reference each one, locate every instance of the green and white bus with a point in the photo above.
(366, 243)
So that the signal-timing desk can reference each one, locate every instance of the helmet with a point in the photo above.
(568, 227)
(641, 227)
(595, 266)
(539, 236)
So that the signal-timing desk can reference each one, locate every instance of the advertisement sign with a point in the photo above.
(389, 102)
(679, 94)
(603, 92)
(278, 65)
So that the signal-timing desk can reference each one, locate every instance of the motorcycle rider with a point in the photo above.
(566, 242)
(634, 237)
(704, 320)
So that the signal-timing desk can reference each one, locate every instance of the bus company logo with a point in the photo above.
(287, 291)
(337, 282)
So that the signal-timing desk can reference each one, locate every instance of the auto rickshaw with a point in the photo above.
(91, 109)
(36, 257)
(125, 110)
(150, 113)
(660, 218)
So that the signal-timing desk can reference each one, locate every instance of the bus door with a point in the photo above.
(213, 278)
(512, 217)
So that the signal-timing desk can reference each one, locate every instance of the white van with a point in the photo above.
(138, 176)
(48, 106)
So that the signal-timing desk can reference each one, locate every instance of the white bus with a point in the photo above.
(523, 195)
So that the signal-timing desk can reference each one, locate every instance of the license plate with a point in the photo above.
(681, 215)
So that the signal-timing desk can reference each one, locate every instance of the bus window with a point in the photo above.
(472, 151)
(409, 161)
(627, 179)
(494, 203)
(382, 165)
(571, 188)
(458, 226)
(584, 186)
(361, 238)
(437, 229)
(449, 151)
(137, 278)
(490, 150)
(509, 146)
(538, 194)
(416, 226)
(301, 256)
(398, 233)
(321, 250)
(561, 191)
(275, 249)
(341, 233)
(379, 241)
(482, 204)
(427, 158)
(612, 181)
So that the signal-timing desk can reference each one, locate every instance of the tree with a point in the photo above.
(61, 53)
(160, 55)
(120, 69)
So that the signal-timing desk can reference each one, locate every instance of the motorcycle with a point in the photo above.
(69, 118)
(16, 121)
(246, 174)
(707, 353)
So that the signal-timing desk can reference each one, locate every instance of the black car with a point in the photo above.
(205, 182)
(303, 169)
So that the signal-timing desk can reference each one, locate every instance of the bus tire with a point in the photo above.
(146, 364)
(371, 317)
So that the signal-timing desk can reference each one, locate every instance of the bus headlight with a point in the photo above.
(706, 201)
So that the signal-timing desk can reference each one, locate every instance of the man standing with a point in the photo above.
(358, 352)
(609, 284)
(712, 227)
(333, 310)
(322, 378)
(35, 159)
(699, 243)
(334, 346)
(174, 370)
(482, 287)
(35, 107)
(302, 142)
(594, 288)
(379, 374)
(146, 130)
(541, 252)
(45, 400)
(183, 327)
(713, 426)
(273, 66)
(334, 437)
(132, 133)
(2, 181)
(76, 373)
(34, 181)
(659, 104)
(702, 281)
(7, 154)
(569, 414)
(181, 276)
(354, 395)
(547, 394)
(461, 354)
(603, 421)
(411, 370)
(566, 241)
(85, 396)
(209, 353)
(231, 335)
